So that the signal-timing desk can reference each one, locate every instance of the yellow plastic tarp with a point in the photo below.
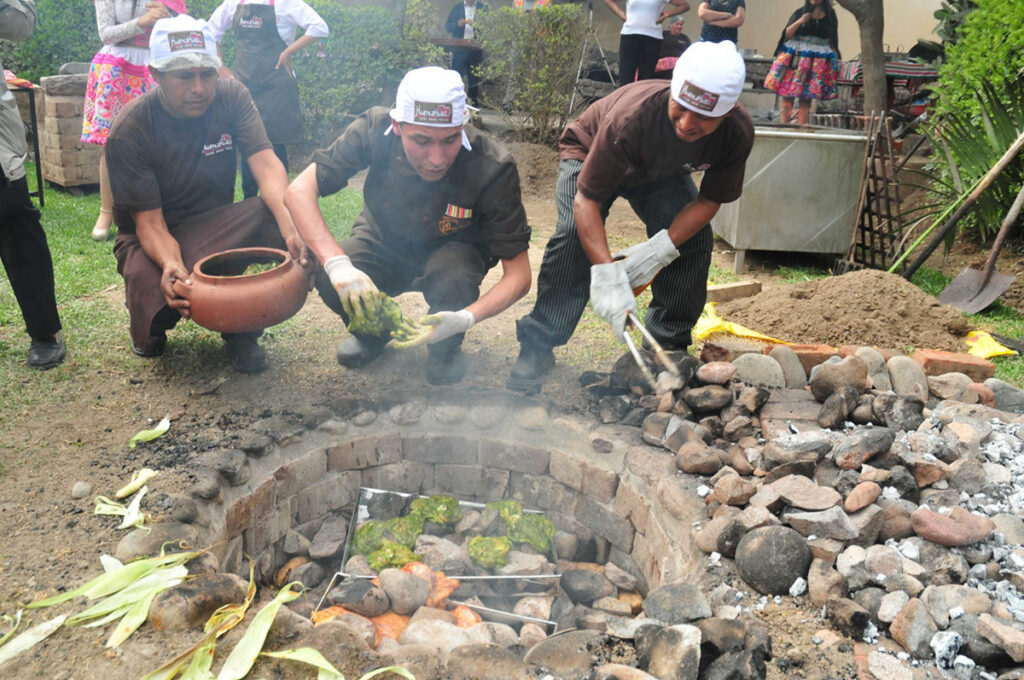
(983, 345)
(710, 323)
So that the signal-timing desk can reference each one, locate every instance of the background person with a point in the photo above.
(722, 19)
(442, 207)
(117, 75)
(173, 154)
(460, 24)
(640, 38)
(673, 43)
(264, 44)
(640, 142)
(23, 247)
(806, 59)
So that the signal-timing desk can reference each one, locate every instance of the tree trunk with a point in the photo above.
(871, 21)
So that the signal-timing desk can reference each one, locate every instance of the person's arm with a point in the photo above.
(286, 54)
(302, 198)
(616, 10)
(692, 219)
(162, 248)
(112, 33)
(795, 26)
(300, 15)
(590, 228)
(272, 180)
(708, 15)
(456, 20)
(675, 8)
(220, 24)
(732, 20)
(513, 284)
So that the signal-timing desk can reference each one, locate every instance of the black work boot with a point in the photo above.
(358, 350)
(245, 353)
(445, 365)
(528, 372)
(46, 353)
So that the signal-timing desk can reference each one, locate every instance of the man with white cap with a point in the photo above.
(641, 142)
(442, 206)
(172, 155)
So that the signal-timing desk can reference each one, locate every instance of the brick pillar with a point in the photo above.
(65, 159)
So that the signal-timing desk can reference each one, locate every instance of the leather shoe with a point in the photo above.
(44, 354)
(245, 354)
(354, 351)
(528, 372)
(446, 368)
(154, 347)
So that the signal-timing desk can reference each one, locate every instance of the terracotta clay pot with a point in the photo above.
(224, 300)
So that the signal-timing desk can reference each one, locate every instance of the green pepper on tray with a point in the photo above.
(391, 554)
(439, 509)
(534, 529)
(509, 510)
(405, 530)
(489, 551)
(369, 537)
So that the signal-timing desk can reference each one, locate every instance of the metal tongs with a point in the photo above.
(633, 320)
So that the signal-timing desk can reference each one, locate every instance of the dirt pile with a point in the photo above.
(538, 168)
(866, 307)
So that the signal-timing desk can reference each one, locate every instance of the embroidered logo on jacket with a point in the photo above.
(688, 167)
(186, 40)
(455, 219)
(432, 113)
(250, 22)
(697, 97)
(225, 143)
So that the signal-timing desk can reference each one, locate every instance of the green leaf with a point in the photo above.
(308, 655)
(30, 638)
(243, 656)
(13, 622)
(397, 670)
(149, 435)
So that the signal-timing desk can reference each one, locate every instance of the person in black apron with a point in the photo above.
(263, 64)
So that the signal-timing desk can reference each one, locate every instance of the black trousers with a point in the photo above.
(563, 285)
(249, 186)
(449, 276)
(465, 60)
(26, 257)
(638, 55)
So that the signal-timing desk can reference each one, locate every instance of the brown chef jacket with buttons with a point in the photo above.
(477, 202)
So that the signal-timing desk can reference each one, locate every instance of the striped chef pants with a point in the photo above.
(563, 285)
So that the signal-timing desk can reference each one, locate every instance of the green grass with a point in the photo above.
(802, 274)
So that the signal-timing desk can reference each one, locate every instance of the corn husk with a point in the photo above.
(132, 515)
(139, 479)
(397, 670)
(151, 434)
(199, 657)
(325, 670)
(117, 578)
(30, 638)
(243, 656)
(13, 622)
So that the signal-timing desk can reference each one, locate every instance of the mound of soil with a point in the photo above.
(538, 168)
(865, 307)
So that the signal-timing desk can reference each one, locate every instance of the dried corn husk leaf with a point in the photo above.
(243, 656)
(30, 638)
(149, 435)
(132, 515)
(13, 622)
(117, 579)
(139, 479)
(397, 670)
(199, 657)
(110, 563)
(308, 655)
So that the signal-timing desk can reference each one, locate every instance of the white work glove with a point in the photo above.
(644, 260)
(612, 296)
(440, 326)
(355, 289)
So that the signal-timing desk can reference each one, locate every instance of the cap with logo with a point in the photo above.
(182, 42)
(434, 97)
(708, 78)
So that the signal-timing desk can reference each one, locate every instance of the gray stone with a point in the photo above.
(81, 490)
(871, 599)
(232, 465)
(837, 407)
(309, 574)
(1008, 397)
(748, 663)
(406, 592)
(620, 578)
(831, 523)
(440, 554)
(792, 370)
(861, 445)
(848, 617)
(707, 398)
(671, 653)
(485, 661)
(877, 370)
(438, 635)
(759, 369)
(329, 540)
(618, 671)
(908, 379)
(868, 523)
(769, 559)
(975, 645)
(824, 583)
(851, 564)
(891, 605)
(73, 85)
(913, 628)
(903, 413)
(360, 596)
(295, 543)
(803, 493)
(489, 632)
(583, 586)
(946, 646)
(565, 655)
(948, 385)
(809, 446)
(139, 543)
(1011, 527)
(828, 377)
(190, 604)
(677, 603)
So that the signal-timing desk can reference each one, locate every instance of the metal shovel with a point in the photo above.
(972, 290)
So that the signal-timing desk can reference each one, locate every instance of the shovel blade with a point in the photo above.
(966, 293)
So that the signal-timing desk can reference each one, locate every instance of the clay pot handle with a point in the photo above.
(180, 289)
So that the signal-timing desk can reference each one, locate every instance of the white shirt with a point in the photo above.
(470, 16)
(642, 18)
(291, 15)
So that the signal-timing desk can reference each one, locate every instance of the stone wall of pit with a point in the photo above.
(598, 483)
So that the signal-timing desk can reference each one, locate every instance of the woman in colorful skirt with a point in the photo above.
(806, 59)
(117, 75)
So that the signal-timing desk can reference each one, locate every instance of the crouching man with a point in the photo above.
(172, 155)
(442, 206)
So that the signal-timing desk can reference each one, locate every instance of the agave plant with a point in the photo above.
(970, 147)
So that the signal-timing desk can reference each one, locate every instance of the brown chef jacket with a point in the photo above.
(477, 202)
(626, 140)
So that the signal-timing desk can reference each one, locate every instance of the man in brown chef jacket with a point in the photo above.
(641, 142)
(442, 206)
(172, 155)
